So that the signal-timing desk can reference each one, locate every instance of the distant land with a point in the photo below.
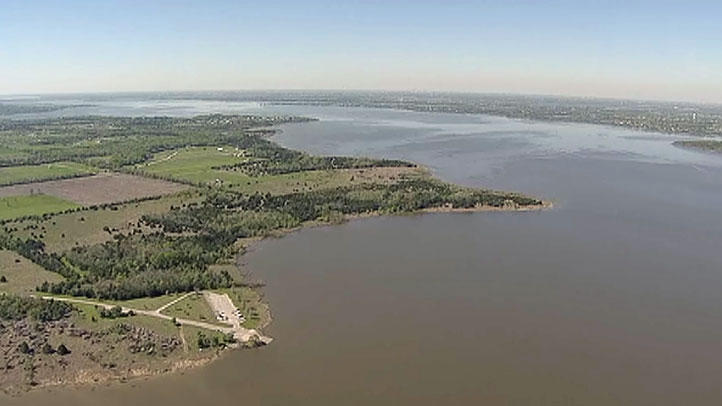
(667, 117)
(704, 145)
(654, 116)
(9, 109)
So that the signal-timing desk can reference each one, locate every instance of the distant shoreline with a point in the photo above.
(704, 145)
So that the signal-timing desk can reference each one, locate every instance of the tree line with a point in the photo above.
(19, 307)
(269, 158)
(112, 143)
(140, 265)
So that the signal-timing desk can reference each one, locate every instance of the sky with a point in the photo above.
(669, 50)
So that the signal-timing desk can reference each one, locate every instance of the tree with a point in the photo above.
(63, 350)
(3, 279)
(203, 341)
(113, 313)
(47, 349)
(24, 348)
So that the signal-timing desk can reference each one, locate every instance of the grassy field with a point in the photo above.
(196, 165)
(191, 335)
(147, 303)
(36, 173)
(193, 307)
(22, 275)
(88, 316)
(193, 164)
(65, 231)
(251, 305)
(5, 151)
(6, 147)
(312, 180)
(144, 303)
(18, 206)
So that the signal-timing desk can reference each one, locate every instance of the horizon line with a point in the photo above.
(4, 96)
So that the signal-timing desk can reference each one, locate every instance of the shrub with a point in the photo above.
(24, 348)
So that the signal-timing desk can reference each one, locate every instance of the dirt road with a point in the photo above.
(219, 303)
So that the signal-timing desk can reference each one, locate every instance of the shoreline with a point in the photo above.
(88, 377)
(91, 380)
(249, 245)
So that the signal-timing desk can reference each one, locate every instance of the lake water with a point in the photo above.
(611, 298)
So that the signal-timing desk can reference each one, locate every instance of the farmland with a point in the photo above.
(32, 205)
(35, 173)
(203, 165)
(88, 227)
(99, 189)
(195, 164)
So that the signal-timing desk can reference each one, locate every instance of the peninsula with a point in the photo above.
(119, 236)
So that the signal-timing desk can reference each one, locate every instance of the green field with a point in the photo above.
(35, 173)
(196, 165)
(18, 206)
(6, 152)
(147, 303)
(191, 335)
(88, 316)
(22, 275)
(193, 307)
(86, 227)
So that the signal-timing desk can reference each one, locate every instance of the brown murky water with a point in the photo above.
(612, 298)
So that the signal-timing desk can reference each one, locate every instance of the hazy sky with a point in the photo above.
(638, 49)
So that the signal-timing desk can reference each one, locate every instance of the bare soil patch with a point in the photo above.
(98, 189)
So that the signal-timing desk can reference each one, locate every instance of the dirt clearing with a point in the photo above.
(98, 189)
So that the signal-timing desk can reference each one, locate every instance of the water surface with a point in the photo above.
(613, 297)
